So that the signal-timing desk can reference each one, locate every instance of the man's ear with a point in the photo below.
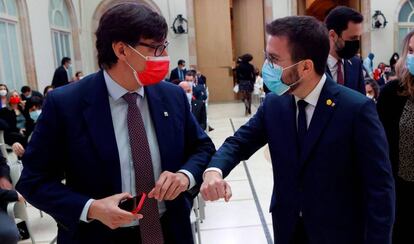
(332, 35)
(120, 50)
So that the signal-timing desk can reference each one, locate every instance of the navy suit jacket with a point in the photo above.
(175, 77)
(354, 77)
(75, 139)
(341, 181)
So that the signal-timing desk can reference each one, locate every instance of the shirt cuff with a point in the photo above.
(213, 169)
(190, 178)
(84, 215)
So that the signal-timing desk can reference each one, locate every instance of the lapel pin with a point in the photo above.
(330, 103)
(165, 114)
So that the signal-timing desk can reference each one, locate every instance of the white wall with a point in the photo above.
(382, 40)
(42, 41)
(281, 8)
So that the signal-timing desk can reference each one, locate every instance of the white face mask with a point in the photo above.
(3, 93)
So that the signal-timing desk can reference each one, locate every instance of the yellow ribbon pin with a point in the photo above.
(329, 102)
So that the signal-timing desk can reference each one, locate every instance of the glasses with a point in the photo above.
(158, 49)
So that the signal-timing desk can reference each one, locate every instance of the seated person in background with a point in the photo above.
(78, 76)
(28, 93)
(198, 107)
(3, 95)
(32, 111)
(13, 115)
(47, 90)
(8, 232)
(372, 89)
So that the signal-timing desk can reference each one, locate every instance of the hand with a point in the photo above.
(5, 184)
(18, 149)
(20, 198)
(169, 186)
(107, 211)
(214, 187)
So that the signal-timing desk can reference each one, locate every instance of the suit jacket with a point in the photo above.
(6, 196)
(34, 94)
(390, 109)
(75, 138)
(341, 180)
(198, 108)
(353, 74)
(175, 77)
(60, 77)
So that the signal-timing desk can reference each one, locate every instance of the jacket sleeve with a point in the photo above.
(243, 144)
(378, 183)
(41, 179)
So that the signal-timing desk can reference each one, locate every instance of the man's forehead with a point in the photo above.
(277, 46)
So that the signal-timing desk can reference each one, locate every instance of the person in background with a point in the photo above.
(61, 75)
(3, 95)
(47, 90)
(178, 74)
(15, 118)
(201, 79)
(9, 233)
(246, 79)
(78, 76)
(369, 64)
(198, 107)
(27, 92)
(396, 112)
(372, 89)
(393, 61)
(33, 109)
(258, 86)
(344, 66)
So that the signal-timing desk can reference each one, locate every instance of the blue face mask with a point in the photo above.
(410, 63)
(272, 77)
(34, 115)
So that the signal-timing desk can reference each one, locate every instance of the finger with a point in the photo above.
(122, 196)
(124, 216)
(203, 191)
(176, 193)
(228, 194)
(221, 189)
(159, 184)
(151, 194)
(164, 189)
(171, 191)
(212, 192)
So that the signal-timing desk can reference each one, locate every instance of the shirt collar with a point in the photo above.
(313, 97)
(115, 90)
(332, 62)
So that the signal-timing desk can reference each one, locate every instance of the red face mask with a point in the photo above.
(156, 68)
(14, 100)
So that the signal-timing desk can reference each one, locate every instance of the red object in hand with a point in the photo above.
(377, 74)
(140, 204)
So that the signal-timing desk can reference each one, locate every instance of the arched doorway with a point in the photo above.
(107, 4)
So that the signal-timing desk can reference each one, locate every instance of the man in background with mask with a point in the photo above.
(345, 29)
(61, 75)
(332, 176)
(198, 107)
(116, 134)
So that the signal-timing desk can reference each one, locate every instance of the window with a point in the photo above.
(12, 71)
(405, 21)
(61, 31)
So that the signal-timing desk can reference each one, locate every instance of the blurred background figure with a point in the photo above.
(372, 89)
(369, 64)
(245, 78)
(61, 75)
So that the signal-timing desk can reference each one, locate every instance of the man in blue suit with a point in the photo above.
(115, 134)
(332, 175)
(178, 74)
(345, 30)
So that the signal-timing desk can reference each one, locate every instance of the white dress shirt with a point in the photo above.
(119, 110)
(333, 67)
(311, 99)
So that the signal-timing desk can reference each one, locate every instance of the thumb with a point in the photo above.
(151, 194)
(122, 196)
(228, 194)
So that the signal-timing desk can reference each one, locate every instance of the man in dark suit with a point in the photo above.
(61, 76)
(27, 93)
(115, 134)
(332, 176)
(198, 107)
(178, 74)
(345, 30)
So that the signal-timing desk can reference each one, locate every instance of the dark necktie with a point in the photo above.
(150, 225)
(340, 73)
(302, 123)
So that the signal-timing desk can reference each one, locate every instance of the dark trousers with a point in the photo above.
(133, 234)
(404, 220)
(299, 235)
(8, 229)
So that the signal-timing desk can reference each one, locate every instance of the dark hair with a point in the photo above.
(374, 85)
(5, 86)
(78, 73)
(34, 101)
(181, 62)
(192, 73)
(128, 23)
(246, 57)
(307, 39)
(25, 89)
(45, 90)
(65, 60)
(339, 17)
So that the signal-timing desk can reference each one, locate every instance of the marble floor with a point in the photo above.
(243, 220)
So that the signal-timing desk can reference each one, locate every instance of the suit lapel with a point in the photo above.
(348, 72)
(162, 118)
(321, 116)
(328, 72)
(289, 126)
(97, 114)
